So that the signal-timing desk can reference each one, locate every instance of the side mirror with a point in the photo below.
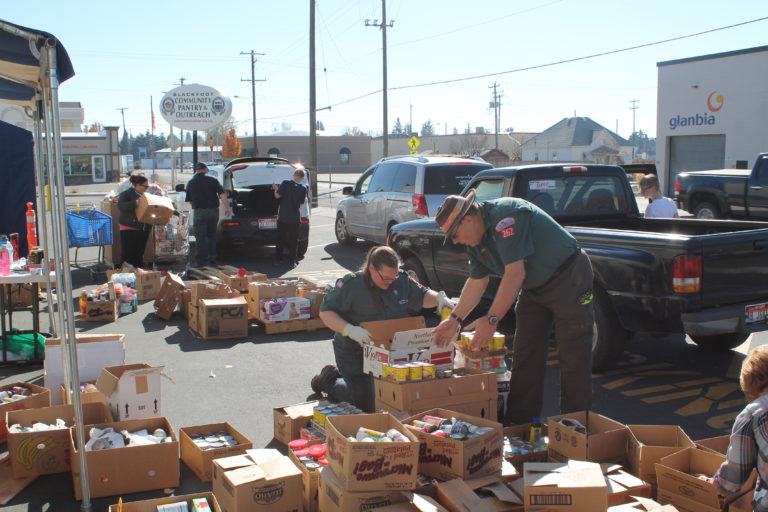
(180, 187)
(347, 191)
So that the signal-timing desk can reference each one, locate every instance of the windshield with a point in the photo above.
(577, 195)
(449, 179)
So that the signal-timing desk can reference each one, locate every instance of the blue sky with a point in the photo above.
(124, 55)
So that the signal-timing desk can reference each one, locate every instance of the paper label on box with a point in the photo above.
(407, 347)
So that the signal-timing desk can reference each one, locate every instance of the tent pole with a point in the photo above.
(42, 215)
(64, 281)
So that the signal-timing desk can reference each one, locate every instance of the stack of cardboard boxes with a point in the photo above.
(286, 305)
(216, 311)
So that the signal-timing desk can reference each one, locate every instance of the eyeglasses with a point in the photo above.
(145, 185)
(385, 279)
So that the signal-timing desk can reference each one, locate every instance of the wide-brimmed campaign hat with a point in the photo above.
(452, 211)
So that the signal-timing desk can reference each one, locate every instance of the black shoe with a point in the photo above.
(317, 381)
(293, 264)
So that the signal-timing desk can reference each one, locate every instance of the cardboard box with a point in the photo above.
(316, 298)
(153, 209)
(678, 486)
(403, 340)
(605, 440)
(132, 391)
(101, 310)
(241, 484)
(333, 498)
(523, 432)
(200, 290)
(647, 444)
(169, 296)
(112, 253)
(259, 290)
(151, 505)
(47, 452)
(576, 486)
(148, 284)
(223, 318)
(290, 419)
(371, 466)
(132, 468)
(201, 461)
(623, 487)
(240, 283)
(488, 494)
(310, 481)
(286, 308)
(446, 458)
(415, 503)
(41, 398)
(643, 505)
(86, 397)
(21, 295)
(714, 444)
(193, 318)
(471, 392)
(94, 352)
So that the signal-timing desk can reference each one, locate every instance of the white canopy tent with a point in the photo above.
(32, 65)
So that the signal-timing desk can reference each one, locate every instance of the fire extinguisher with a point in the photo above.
(31, 227)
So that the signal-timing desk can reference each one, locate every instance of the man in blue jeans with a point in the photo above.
(205, 192)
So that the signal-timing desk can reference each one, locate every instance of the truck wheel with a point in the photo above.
(609, 337)
(720, 342)
(413, 268)
(706, 211)
(342, 235)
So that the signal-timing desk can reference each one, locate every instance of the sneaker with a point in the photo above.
(325, 374)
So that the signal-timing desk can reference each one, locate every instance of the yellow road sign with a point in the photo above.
(413, 143)
(413, 152)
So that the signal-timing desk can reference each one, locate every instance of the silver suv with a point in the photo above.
(398, 189)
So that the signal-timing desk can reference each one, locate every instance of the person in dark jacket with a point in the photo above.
(205, 192)
(133, 234)
(291, 194)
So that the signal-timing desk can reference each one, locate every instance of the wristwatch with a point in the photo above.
(457, 318)
(492, 319)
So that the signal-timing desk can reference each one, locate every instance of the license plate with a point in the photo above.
(756, 313)
(267, 223)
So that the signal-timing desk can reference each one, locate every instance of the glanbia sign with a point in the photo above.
(715, 102)
(195, 107)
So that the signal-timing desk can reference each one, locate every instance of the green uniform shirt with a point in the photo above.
(356, 301)
(518, 230)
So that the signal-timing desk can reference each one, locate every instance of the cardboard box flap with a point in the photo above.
(222, 302)
(262, 455)
(245, 475)
(383, 331)
(236, 461)
(609, 467)
(299, 410)
(625, 479)
(503, 493)
(653, 506)
(111, 375)
(87, 338)
(416, 502)
(280, 467)
(573, 474)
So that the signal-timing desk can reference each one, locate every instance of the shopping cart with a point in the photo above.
(88, 227)
(171, 245)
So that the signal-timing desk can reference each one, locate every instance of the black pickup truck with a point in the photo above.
(725, 193)
(705, 278)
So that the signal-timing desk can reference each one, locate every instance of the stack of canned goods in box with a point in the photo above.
(534, 442)
(15, 394)
(213, 440)
(367, 435)
(449, 427)
(312, 457)
(321, 412)
(404, 372)
(497, 341)
(492, 360)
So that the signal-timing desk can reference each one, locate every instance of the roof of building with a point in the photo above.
(713, 56)
(574, 131)
(69, 104)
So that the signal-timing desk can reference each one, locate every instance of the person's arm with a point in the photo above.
(127, 202)
(470, 297)
(278, 191)
(224, 198)
(333, 321)
(741, 458)
(509, 288)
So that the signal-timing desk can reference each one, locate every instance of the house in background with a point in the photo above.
(578, 139)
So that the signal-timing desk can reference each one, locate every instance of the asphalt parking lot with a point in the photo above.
(662, 380)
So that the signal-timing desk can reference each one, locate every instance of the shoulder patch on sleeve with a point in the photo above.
(505, 223)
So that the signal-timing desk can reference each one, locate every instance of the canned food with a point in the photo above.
(307, 458)
(414, 371)
(386, 371)
(434, 420)
(401, 372)
(318, 414)
(498, 341)
(466, 339)
(427, 371)
(312, 466)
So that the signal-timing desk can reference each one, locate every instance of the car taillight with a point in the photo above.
(230, 224)
(419, 203)
(304, 221)
(575, 168)
(677, 186)
(238, 167)
(686, 274)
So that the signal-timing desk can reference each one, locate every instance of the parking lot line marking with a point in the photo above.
(722, 390)
(620, 382)
(738, 402)
(698, 382)
(622, 371)
(721, 422)
(645, 391)
(698, 406)
(671, 396)
(661, 373)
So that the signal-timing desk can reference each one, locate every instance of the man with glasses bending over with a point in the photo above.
(540, 265)
(205, 192)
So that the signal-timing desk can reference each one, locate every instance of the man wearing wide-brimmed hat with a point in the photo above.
(542, 266)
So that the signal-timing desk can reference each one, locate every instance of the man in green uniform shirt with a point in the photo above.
(541, 266)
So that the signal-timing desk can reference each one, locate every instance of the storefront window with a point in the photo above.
(77, 165)
(344, 156)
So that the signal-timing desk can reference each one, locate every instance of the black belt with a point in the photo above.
(559, 270)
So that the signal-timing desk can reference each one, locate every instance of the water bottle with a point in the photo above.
(5, 259)
(4, 239)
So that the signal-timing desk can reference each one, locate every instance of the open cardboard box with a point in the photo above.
(487, 494)
(402, 340)
(679, 487)
(132, 391)
(717, 444)
(130, 469)
(643, 505)
(169, 296)
(263, 480)
(289, 420)
(605, 440)
(151, 505)
(647, 444)
(333, 498)
(40, 398)
(523, 432)
(374, 466)
(154, 209)
(446, 458)
(576, 486)
(201, 461)
(414, 503)
(86, 397)
(47, 452)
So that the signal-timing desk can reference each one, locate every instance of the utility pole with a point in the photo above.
(634, 139)
(253, 93)
(122, 112)
(383, 26)
(181, 164)
(496, 104)
(312, 164)
(410, 121)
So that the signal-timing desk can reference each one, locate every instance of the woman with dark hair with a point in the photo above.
(133, 234)
(378, 291)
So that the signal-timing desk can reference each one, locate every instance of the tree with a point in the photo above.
(398, 128)
(220, 132)
(231, 147)
(125, 144)
(407, 130)
(427, 128)
(96, 127)
(469, 144)
(353, 131)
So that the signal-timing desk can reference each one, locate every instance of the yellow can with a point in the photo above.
(445, 313)
(386, 371)
(427, 371)
(466, 339)
(400, 372)
(414, 371)
(498, 341)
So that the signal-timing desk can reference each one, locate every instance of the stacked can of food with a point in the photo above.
(321, 412)
(449, 427)
(404, 372)
(312, 457)
(367, 435)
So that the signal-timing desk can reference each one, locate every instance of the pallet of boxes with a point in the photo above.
(215, 310)
(286, 305)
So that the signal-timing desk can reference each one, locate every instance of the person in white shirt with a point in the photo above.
(658, 205)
